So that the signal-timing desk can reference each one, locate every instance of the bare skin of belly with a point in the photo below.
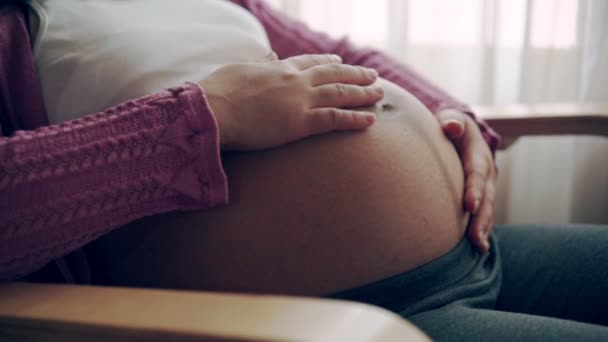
(310, 218)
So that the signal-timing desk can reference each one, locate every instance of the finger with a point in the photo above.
(453, 124)
(477, 163)
(303, 62)
(476, 178)
(489, 200)
(489, 230)
(475, 234)
(341, 73)
(483, 227)
(322, 120)
(478, 227)
(346, 95)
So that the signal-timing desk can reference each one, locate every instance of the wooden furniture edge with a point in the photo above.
(515, 121)
(42, 312)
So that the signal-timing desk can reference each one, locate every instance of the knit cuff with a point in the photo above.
(208, 164)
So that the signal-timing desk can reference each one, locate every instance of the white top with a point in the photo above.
(93, 54)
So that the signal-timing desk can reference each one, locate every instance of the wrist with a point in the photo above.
(220, 112)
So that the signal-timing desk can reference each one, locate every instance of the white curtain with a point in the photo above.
(500, 52)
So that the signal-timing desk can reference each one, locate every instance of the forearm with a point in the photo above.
(290, 37)
(62, 186)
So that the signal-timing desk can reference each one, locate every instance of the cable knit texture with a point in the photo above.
(63, 186)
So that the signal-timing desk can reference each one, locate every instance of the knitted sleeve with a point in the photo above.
(62, 186)
(290, 37)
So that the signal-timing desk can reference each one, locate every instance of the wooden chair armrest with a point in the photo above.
(514, 121)
(41, 312)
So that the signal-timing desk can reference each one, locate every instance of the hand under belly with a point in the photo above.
(311, 218)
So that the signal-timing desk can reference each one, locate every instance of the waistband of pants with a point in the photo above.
(462, 264)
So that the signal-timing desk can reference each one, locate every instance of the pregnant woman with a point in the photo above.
(375, 215)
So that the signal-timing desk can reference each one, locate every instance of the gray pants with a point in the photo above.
(538, 283)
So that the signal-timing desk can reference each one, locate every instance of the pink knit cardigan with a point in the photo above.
(62, 186)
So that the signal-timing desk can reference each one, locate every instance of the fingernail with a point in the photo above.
(372, 72)
(378, 89)
(337, 57)
(476, 205)
(370, 117)
(451, 122)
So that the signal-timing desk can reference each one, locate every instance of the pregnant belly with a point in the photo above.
(310, 218)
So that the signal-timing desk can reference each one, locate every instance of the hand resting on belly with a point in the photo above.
(313, 217)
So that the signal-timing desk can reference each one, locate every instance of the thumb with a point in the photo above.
(452, 122)
(323, 120)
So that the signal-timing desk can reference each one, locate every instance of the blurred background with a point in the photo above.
(501, 52)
